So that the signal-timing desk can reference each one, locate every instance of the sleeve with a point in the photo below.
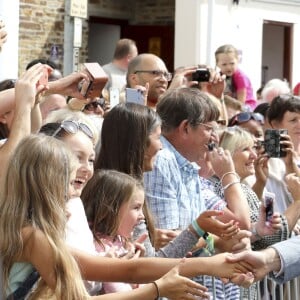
(179, 246)
(240, 80)
(289, 253)
(161, 194)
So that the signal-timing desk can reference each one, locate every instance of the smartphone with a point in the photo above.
(201, 75)
(272, 142)
(134, 96)
(114, 97)
(269, 199)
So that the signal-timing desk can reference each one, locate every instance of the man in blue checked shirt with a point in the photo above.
(173, 186)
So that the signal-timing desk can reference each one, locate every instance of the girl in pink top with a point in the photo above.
(238, 84)
(113, 203)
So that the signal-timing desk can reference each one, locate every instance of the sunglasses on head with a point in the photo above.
(72, 127)
(94, 105)
(245, 117)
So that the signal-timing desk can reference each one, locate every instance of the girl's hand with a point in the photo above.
(139, 245)
(163, 237)
(176, 287)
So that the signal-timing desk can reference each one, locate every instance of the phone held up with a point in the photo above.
(272, 142)
(134, 96)
(269, 199)
(201, 75)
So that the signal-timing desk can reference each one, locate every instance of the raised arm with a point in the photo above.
(25, 94)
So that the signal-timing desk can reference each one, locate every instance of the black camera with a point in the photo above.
(272, 142)
(201, 75)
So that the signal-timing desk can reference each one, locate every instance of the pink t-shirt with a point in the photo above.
(241, 81)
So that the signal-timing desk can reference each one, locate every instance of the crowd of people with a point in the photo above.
(146, 201)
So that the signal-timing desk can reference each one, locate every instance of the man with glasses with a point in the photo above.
(149, 68)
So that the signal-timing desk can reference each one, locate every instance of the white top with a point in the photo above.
(79, 235)
(116, 77)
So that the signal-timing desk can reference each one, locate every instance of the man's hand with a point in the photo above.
(261, 262)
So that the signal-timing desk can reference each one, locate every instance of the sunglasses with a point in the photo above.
(245, 117)
(72, 127)
(94, 105)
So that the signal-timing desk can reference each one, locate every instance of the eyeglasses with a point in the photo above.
(245, 117)
(212, 128)
(156, 73)
(72, 126)
(94, 105)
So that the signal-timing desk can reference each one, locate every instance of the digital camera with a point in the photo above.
(201, 75)
(272, 142)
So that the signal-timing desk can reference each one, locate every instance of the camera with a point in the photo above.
(272, 142)
(97, 78)
(201, 75)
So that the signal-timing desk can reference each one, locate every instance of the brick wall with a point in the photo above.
(42, 23)
(41, 26)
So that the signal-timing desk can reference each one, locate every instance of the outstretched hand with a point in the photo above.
(261, 263)
(172, 285)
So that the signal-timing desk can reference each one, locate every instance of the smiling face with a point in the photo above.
(131, 213)
(197, 140)
(243, 159)
(81, 145)
(157, 84)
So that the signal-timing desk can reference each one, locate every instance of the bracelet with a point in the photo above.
(199, 231)
(157, 290)
(227, 173)
(229, 185)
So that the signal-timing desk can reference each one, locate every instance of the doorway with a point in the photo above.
(277, 53)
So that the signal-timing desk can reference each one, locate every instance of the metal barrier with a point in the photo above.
(268, 289)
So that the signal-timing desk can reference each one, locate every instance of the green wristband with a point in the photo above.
(199, 231)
